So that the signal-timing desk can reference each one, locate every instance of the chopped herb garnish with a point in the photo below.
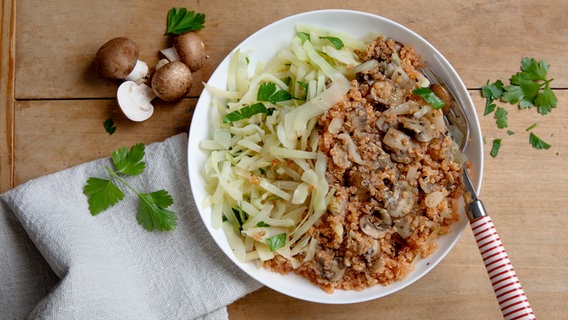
(303, 36)
(336, 42)
(241, 216)
(530, 87)
(269, 92)
(500, 117)
(276, 242)
(430, 97)
(493, 90)
(245, 112)
(510, 132)
(537, 142)
(532, 126)
(109, 126)
(495, 148)
(181, 21)
(262, 224)
(287, 80)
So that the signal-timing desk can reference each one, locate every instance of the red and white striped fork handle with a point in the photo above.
(508, 290)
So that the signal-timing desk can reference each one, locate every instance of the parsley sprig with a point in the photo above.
(180, 21)
(152, 211)
(528, 88)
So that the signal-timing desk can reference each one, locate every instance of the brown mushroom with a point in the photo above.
(118, 59)
(191, 50)
(172, 81)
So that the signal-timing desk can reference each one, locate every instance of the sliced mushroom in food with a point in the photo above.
(331, 268)
(422, 128)
(375, 226)
(400, 144)
(402, 199)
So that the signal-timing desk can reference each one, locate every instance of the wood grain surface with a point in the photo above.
(53, 104)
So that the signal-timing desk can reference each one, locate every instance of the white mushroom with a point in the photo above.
(134, 100)
(118, 59)
(172, 81)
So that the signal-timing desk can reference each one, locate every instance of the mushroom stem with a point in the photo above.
(139, 74)
(170, 54)
(161, 63)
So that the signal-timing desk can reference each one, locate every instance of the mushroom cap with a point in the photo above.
(191, 50)
(134, 100)
(116, 58)
(172, 81)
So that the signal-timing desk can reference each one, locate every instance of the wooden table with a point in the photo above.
(54, 105)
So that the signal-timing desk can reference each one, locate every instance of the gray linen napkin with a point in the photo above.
(108, 266)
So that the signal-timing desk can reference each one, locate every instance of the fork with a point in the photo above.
(506, 285)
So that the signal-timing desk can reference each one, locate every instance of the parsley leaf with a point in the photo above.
(493, 90)
(109, 126)
(513, 94)
(152, 213)
(268, 91)
(500, 117)
(495, 148)
(276, 242)
(103, 193)
(336, 42)
(530, 87)
(537, 142)
(129, 162)
(181, 21)
(245, 112)
(546, 100)
(429, 96)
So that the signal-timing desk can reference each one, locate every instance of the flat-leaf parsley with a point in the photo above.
(180, 20)
(104, 193)
(530, 87)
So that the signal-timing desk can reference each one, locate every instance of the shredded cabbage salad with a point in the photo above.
(264, 175)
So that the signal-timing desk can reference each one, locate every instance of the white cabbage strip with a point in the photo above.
(265, 176)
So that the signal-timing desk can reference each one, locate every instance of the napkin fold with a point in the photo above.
(59, 262)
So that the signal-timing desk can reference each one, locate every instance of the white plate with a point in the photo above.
(263, 45)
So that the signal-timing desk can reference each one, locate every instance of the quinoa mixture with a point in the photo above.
(393, 168)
